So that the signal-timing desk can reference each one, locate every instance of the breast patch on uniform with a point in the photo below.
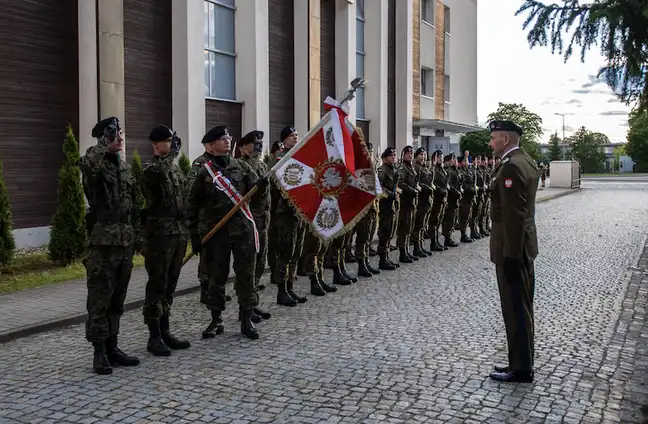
(508, 183)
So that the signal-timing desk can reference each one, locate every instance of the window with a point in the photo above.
(446, 88)
(360, 57)
(220, 54)
(427, 82)
(427, 11)
(446, 19)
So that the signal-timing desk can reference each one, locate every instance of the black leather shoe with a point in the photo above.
(498, 368)
(513, 376)
(263, 314)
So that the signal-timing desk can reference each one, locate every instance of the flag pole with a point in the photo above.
(350, 94)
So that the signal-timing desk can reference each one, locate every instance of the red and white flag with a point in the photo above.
(328, 176)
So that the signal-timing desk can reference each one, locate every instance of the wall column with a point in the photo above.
(302, 76)
(88, 84)
(188, 81)
(345, 49)
(314, 59)
(252, 61)
(376, 64)
(111, 60)
(404, 73)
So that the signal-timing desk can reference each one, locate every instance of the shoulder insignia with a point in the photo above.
(506, 160)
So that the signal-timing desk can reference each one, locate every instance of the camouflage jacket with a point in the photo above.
(426, 181)
(110, 188)
(455, 183)
(407, 182)
(165, 188)
(196, 166)
(387, 176)
(260, 202)
(441, 182)
(480, 180)
(208, 205)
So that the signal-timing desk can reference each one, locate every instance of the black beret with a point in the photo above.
(419, 151)
(215, 133)
(275, 146)
(460, 159)
(99, 129)
(448, 158)
(286, 132)
(437, 153)
(251, 137)
(505, 126)
(161, 133)
(407, 149)
(388, 152)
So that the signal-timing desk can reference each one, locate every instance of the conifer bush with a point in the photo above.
(185, 164)
(7, 242)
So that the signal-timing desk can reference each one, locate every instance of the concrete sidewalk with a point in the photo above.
(42, 309)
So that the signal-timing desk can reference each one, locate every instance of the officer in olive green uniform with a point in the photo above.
(388, 208)
(424, 206)
(467, 202)
(440, 202)
(113, 225)
(408, 182)
(208, 204)
(364, 234)
(454, 197)
(165, 189)
(250, 148)
(514, 247)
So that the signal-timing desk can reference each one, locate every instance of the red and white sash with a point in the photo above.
(225, 185)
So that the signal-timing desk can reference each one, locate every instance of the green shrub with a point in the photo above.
(140, 200)
(185, 164)
(68, 236)
(7, 242)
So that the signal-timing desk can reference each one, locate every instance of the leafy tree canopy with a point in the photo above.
(637, 146)
(530, 122)
(619, 28)
(476, 142)
(555, 151)
(587, 149)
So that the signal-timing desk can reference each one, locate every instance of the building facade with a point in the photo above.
(247, 64)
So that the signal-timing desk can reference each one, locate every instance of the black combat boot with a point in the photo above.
(283, 298)
(169, 339)
(363, 271)
(373, 252)
(395, 264)
(215, 327)
(247, 327)
(327, 287)
(263, 314)
(316, 288)
(435, 246)
(385, 264)
(291, 292)
(417, 252)
(449, 242)
(155, 344)
(474, 234)
(407, 251)
(100, 363)
(118, 358)
(465, 238)
(253, 316)
(371, 269)
(423, 249)
(404, 257)
(483, 231)
(349, 257)
(339, 278)
(344, 271)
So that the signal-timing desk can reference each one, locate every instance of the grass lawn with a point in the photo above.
(35, 269)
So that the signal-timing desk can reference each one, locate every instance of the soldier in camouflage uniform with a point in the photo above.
(270, 160)
(289, 235)
(485, 193)
(409, 185)
(114, 236)
(424, 207)
(478, 207)
(164, 188)
(466, 205)
(388, 208)
(440, 202)
(207, 206)
(364, 233)
(455, 194)
(249, 150)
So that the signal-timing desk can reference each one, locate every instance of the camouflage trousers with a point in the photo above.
(262, 220)
(405, 225)
(364, 234)
(439, 206)
(313, 254)
(226, 243)
(466, 210)
(289, 233)
(450, 216)
(387, 225)
(421, 219)
(108, 270)
(163, 257)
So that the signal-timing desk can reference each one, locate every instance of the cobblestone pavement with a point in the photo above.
(415, 345)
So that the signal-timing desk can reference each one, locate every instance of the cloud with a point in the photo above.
(593, 80)
(549, 101)
(614, 113)
(574, 102)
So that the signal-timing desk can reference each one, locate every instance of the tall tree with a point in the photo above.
(587, 149)
(555, 151)
(530, 122)
(476, 142)
(637, 146)
(620, 28)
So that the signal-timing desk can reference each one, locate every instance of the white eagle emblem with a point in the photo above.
(331, 178)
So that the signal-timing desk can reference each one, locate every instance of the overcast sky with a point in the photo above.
(510, 72)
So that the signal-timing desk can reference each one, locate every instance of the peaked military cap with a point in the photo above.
(505, 126)
(160, 133)
(100, 129)
(287, 132)
(215, 134)
(388, 152)
(419, 151)
(251, 137)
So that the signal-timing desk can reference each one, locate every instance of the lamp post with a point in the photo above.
(563, 131)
